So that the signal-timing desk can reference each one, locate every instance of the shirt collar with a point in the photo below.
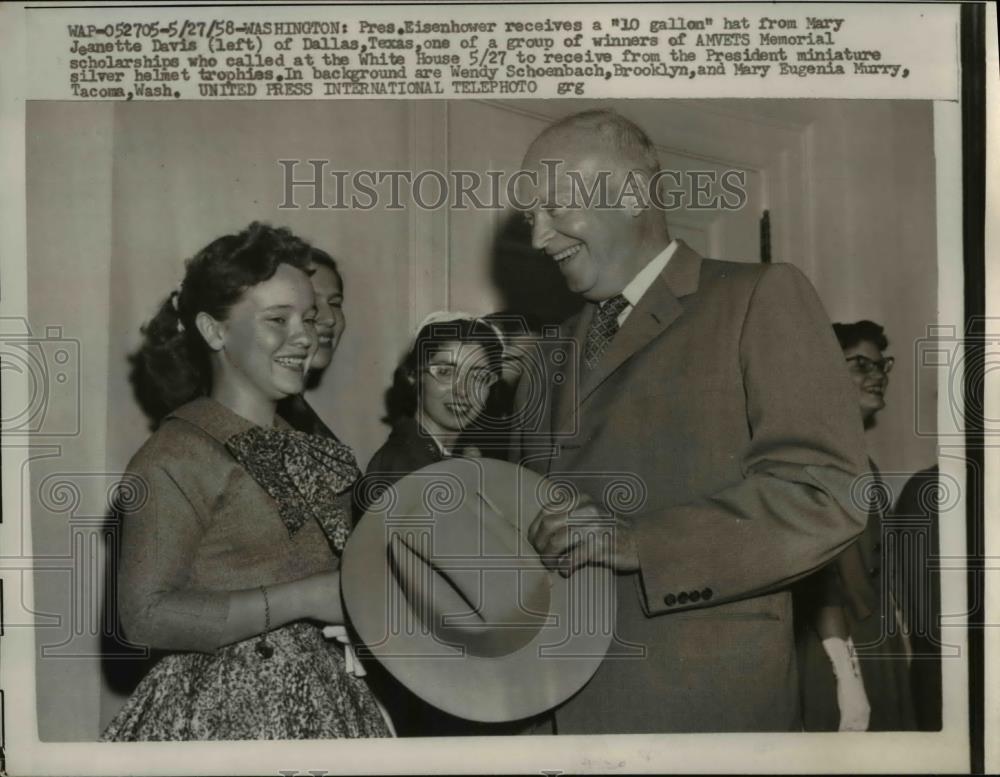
(217, 420)
(640, 284)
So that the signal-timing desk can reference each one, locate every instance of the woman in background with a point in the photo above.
(328, 288)
(439, 390)
(852, 657)
(229, 563)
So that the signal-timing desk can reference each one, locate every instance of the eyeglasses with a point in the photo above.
(867, 366)
(446, 374)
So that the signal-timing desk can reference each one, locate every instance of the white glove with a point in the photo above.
(339, 633)
(851, 698)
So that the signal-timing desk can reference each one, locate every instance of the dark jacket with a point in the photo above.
(857, 581)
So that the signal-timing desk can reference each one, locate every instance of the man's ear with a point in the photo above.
(211, 330)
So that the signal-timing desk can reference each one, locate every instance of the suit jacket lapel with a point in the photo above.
(565, 397)
(656, 311)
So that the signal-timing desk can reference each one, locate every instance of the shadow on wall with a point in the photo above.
(529, 282)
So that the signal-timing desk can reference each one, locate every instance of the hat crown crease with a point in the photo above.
(445, 605)
(419, 588)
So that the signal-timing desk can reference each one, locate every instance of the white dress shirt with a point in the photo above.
(640, 284)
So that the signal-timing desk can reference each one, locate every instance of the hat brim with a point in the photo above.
(464, 496)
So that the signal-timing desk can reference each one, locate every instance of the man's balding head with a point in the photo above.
(599, 241)
(607, 134)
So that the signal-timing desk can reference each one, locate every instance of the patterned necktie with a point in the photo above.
(603, 327)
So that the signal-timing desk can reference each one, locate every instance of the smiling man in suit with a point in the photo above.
(720, 387)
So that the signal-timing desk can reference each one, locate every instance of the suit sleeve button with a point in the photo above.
(694, 596)
(682, 598)
(706, 594)
(670, 600)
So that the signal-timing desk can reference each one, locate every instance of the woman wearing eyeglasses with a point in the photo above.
(439, 390)
(863, 344)
(852, 656)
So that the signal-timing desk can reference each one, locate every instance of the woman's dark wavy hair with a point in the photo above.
(402, 397)
(317, 256)
(172, 365)
(849, 335)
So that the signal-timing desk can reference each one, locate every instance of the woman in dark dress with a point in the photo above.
(917, 535)
(439, 390)
(231, 547)
(852, 656)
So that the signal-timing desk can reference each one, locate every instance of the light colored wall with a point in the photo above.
(69, 262)
(119, 195)
(874, 243)
(187, 174)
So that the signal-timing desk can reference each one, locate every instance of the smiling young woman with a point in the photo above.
(328, 293)
(440, 389)
(853, 664)
(230, 565)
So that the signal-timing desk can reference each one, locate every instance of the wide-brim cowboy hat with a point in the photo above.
(444, 589)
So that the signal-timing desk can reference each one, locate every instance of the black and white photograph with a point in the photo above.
(634, 427)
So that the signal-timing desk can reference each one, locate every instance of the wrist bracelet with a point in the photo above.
(263, 647)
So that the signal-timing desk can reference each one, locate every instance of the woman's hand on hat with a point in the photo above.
(567, 539)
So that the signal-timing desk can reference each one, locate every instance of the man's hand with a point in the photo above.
(569, 538)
